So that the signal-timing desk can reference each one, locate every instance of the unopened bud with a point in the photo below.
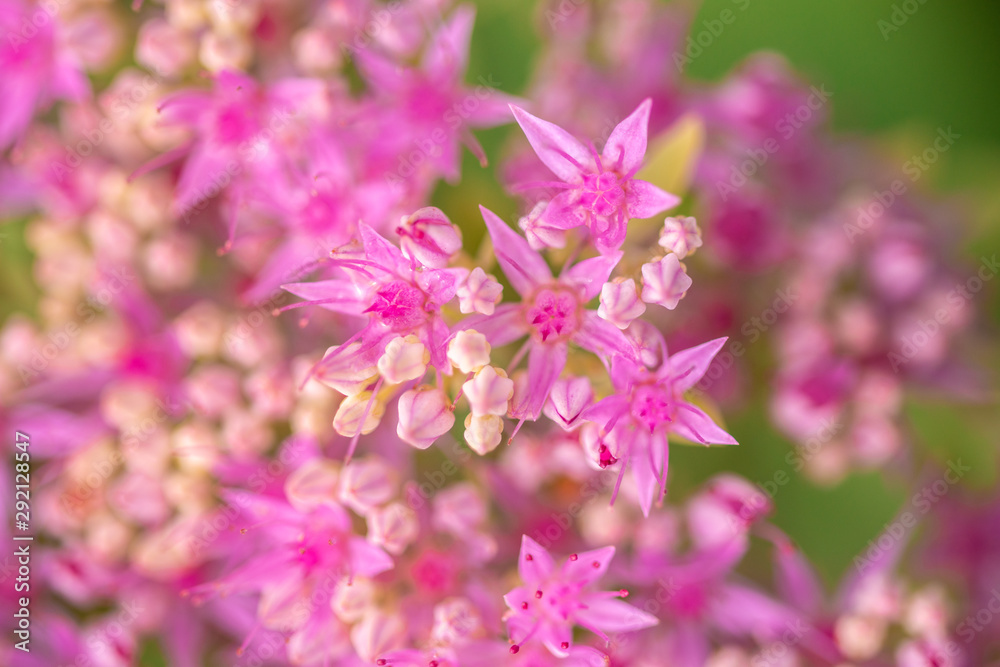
(568, 399)
(620, 303)
(348, 371)
(404, 359)
(366, 483)
(483, 433)
(424, 415)
(489, 392)
(347, 421)
(480, 293)
(429, 237)
(469, 351)
(312, 484)
(665, 282)
(680, 236)
(393, 527)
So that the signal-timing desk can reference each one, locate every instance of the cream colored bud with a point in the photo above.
(347, 421)
(483, 433)
(404, 359)
(489, 392)
(469, 351)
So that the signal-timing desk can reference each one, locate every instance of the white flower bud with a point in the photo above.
(348, 418)
(480, 293)
(312, 484)
(483, 433)
(424, 415)
(404, 359)
(393, 527)
(489, 392)
(665, 282)
(469, 351)
(620, 303)
(680, 236)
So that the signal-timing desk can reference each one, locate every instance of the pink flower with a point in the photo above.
(236, 145)
(552, 601)
(34, 68)
(646, 407)
(400, 299)
(293, 554)
(600, 191)
(432, 107)
(552, 313)
(398, 296)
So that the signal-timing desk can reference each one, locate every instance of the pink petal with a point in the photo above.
(519, 627)
(524, 268)
(647, 461)
(205, 167)
(603, 338)
(567, 401)
(646, 200)
(287, 262)
(584, 656)
(688, 645)
(504, 326)
(340, 296)
(687, 367)
(610, 615)
(383, 74)
(379, 250)
(741, 610)
(447, 55)
(796, 578)
(562, 212)
(696, 426)
(582, 569)
(558, 149)
(607, 409)
(626, 146)
(545, 363)
(367, 560)
(435, 338)
(555, 635)
(534, 564)
(493, 111)
(185, 108)
(591, 274)
(608, 232)
(517, 597)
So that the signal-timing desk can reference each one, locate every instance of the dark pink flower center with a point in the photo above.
(558, 601)
(602, 193)
(233, 125)
(652, 406)
(554, 314)
(400, 306)
(321, 545)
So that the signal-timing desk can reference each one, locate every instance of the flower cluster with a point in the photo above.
(291, 405)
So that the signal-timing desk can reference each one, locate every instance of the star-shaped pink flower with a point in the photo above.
(600, 190)
(554, 600)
